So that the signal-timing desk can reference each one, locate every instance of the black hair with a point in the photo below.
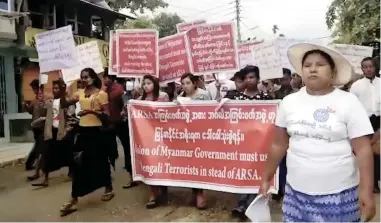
(287, 72)
(60, 83)
(368, 59)
(106, 74)
(35, 84)
(193, 78)
(238, 75)
(156, 87)
(250, 69)
(96, 80)
(171, 89)
(321, 53)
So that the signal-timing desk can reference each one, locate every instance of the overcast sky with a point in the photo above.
(295, 18)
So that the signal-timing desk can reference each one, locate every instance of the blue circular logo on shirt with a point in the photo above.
(321, 115)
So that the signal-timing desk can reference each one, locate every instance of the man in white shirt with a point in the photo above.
(367, 89)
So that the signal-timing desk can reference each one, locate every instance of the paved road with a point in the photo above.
(21, 202)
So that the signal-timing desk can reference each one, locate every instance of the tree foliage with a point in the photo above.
(165, 23)
(138, 5)
(143, 22)
(354, 21)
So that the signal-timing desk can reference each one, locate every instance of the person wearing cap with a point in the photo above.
(367, 89)
(240, 86)
(296, 82)
(325, 133)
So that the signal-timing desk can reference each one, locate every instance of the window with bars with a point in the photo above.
(43, 16)
(71, 18)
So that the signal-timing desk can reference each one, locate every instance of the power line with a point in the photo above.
(206, 10)
(215, 13)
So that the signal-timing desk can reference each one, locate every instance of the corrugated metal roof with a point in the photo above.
(103, 5)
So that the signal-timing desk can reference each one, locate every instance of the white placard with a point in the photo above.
(245, 54)
(355, 54)
(56, 49)
(88, 56)
(267, 59)
(43, 79)
(284, 44)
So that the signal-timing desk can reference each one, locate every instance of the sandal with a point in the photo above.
(108, 196)
(40, 185)
(68, 208)
(32, 178)
(151, 204)
(239, 212)
(132, 184)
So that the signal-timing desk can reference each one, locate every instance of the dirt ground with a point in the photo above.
(21, 202)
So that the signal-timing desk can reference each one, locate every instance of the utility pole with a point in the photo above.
(238, 18)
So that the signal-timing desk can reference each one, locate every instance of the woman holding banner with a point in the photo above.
(251, 77)
(325, 132)
(91, 170)
(151, 92)
(189, 83)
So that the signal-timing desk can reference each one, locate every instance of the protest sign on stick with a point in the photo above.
(267, 58)
(88, 57)
(195, 146)
(173, 58)
(137, 52)
(112, 65)
(355, 54)
(284, 44)
(183, 27)
(245, 54)
(56, 49)
(213, 48)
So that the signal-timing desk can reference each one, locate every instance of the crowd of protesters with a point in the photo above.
(329, 178)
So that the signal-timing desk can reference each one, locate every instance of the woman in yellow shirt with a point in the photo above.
(91, 169)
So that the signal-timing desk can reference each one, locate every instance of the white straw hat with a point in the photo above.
(344, 68)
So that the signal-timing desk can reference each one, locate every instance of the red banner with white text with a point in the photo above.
(112, 66)
(193, 145)
(183, 27)
(173, 58)
(213, 48)
(138, 52)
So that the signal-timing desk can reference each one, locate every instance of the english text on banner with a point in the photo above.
(193, 145)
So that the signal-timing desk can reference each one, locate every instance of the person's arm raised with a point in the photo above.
(67, 100)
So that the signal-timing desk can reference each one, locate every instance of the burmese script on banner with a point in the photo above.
(355, 54)
(195, 146)
(138, 53)
(213, 48)
(245, 54)
(267, 58)
(56, 49)
(88, 56)
(183, 27)
(173, 58)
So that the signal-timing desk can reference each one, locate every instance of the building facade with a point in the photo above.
(20, 21)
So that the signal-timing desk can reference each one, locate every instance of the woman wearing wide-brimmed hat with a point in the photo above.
(325, 132)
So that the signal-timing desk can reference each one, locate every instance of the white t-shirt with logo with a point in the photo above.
(56, 110)
(320, 159)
